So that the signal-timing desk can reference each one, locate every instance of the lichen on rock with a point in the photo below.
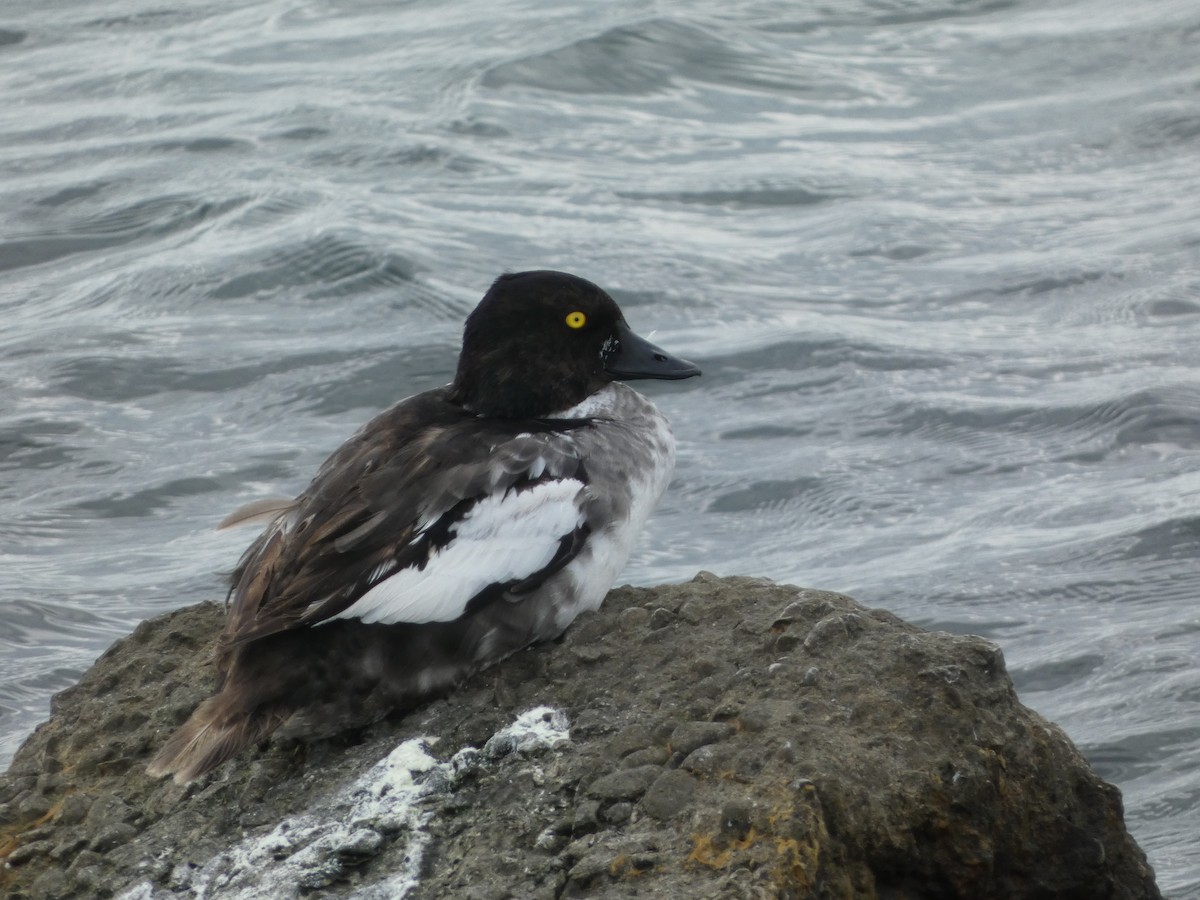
(728, 737)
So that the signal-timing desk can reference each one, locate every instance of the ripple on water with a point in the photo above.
(375, 383)
(342, 263)
(1166, 129)
(654, 55)
(123, 378)
(140, 504)
(1171, 308)
(142, 221)
(809, 354)
(1168, 415)
(1140, 754)
(753, 194)
(1059, 673)
(429, 158)
(857, 13)
(209, 144)
(763, 495)
(631, 59)
(74, 193)
(1170, 540)
(37, 443)
(43, 623)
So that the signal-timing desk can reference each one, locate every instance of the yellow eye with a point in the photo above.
(576, 319)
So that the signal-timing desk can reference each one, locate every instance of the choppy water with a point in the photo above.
(939, 259)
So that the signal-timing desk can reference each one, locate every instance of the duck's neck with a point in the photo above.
(504, 391)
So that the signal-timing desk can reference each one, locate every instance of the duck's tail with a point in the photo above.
(214, 733)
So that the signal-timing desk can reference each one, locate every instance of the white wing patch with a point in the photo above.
(504, 537)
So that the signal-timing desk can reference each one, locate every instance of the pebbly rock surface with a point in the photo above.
(725, 738)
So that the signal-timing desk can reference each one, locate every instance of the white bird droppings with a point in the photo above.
(380, 812)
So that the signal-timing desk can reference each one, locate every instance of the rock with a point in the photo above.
(650, 756)
(633, 619)
(34, 808)
(112, 836)
(74, 810)
(29, 851)
(661, 618)
(692, 735)
(669, 795)
(51, 883)
(625, 784)
(728, 737)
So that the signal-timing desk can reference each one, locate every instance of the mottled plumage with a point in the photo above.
(456, 527)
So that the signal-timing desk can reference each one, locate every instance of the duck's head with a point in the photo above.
(540, 342)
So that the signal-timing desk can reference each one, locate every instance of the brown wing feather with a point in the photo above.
(411, 465)
(213, 734)
(256, 512)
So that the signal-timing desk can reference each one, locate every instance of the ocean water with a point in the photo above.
(939, 260)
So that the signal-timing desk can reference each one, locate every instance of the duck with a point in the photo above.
(455, 528)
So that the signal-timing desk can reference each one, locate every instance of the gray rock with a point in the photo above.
(74, 809)
(29, 851)
(625, 784)
(617, 813)
(359, 845)
(634, 619)
(587, 816)
(50, 782)
(831, 751)
(111, 836)
(85, 859)
(68, 847)
(650, 756)
(710, 761)
(692, 735)
(52, 883)
(670, 795)
(32, 807)
(661, 618)
(108, 809)
(630, 739)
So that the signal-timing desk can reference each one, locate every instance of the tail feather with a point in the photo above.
(212, 735)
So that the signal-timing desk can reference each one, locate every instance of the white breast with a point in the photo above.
(630, 457)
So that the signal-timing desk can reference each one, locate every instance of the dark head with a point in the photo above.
(540, 342)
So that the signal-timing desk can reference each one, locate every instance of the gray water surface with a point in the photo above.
(940, 262)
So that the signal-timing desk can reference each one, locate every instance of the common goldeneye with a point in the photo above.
(453, 529)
